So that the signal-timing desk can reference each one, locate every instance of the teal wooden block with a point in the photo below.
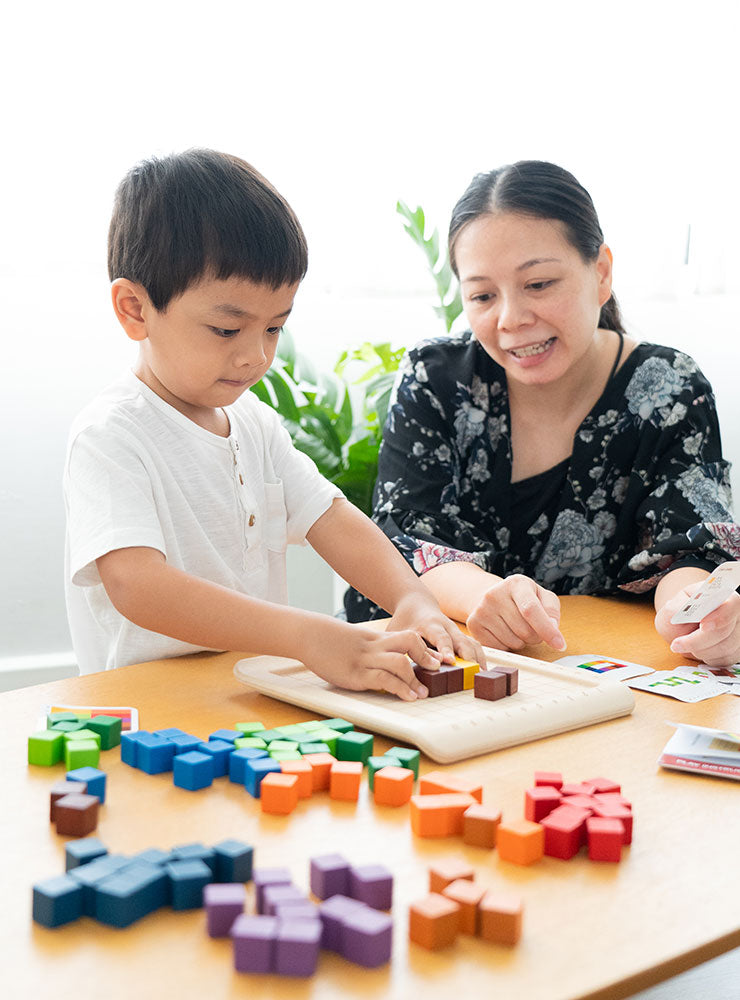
(375, 764)
(341, 725)
(54, 718)
(81, 753)
(45, 748)
(355, 746)
(409, 758)
(328, 736)
(305, 748)
(69, 726)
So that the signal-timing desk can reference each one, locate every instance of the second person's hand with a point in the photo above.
(517, 612)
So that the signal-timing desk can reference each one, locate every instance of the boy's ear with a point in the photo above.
(129, 304)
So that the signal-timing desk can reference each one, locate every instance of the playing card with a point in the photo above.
(713, 591)
(605, 666)
(685, 684)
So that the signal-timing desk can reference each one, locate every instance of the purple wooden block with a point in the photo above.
(371, 884)
(297, 947)
(297, 909)
(272, 894)
(254, 943)
(367, 937)
(333, 912)
(263, 877)
(224, 902)
(329, 876)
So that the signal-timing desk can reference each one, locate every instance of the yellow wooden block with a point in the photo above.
(470, 669)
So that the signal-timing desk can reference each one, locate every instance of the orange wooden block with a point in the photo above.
(480, 824)
(344, 780)
(437, 783)
(321, 769)
(434, 921)
(279, 795)
(448, 870)
(467, 895)
(304, 772)
(439, 815)
(500, 917)
(392, 786)
(522, 842)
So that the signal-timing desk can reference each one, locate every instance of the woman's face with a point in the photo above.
(531, 300)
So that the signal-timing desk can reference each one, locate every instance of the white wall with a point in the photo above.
(345, 109)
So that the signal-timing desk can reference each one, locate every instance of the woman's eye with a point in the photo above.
(483, 297)
(538, 286)
(221, 332)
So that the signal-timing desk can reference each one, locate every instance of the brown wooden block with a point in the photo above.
(433, 680)
(76, 815)
(455, 678)
(467, 895)
(500, 915)
(489, 685)
(480, 824)
(449, 870)
(434, 921)
(61, 788)
(512, 678)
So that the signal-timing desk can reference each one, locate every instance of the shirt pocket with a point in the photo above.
(276, 518)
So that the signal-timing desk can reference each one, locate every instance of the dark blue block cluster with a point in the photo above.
(57, 901)
(80, 852)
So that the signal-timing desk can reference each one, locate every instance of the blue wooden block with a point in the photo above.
(153, 855)
(220, 751)
(57, 901)
(238, 760)
(185, 742)
(129, 743)
(90, 875)
(193, 770)
(195, 852)
(154, 754)
(94, 778)
(233, 861)
(187, 880)
(227, 735)
(254, 772)
(169, 733)
(131, 893)
(83, 851)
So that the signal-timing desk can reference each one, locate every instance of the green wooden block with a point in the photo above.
(314, 748)
(69, 727)
(311, 725)
(45, 747)
(283, 745)
(249, 741)
(268, 735)
(378, 763)
(328, 736)
(291, 732)
(341, 725)
(83, 734)
(249, 728)
(55, 717)
(355, 746)
(283, 754)
(108, 728)
(409, 758)
(81, 753)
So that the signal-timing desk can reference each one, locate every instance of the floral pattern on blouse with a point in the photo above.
(645, 490)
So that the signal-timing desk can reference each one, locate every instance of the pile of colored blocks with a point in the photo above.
(456, 904)
(118, 890)
(465, 675)
(75, 738)
(74, 802)
(288, 930)
(279, 766)
(559, 817)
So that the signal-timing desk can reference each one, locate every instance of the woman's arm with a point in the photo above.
(716, 639)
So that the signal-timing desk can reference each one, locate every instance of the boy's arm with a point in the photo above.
(144, 588)
(362, 555)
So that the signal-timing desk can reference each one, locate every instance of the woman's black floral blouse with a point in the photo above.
(645, 490)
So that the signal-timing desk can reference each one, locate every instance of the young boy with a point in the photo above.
(182, 489)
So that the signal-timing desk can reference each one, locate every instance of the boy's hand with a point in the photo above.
(517, 612)
(715, 640)
(359, 658)
(419, 611)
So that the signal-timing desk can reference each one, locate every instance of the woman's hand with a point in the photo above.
(715, 640)
(516, 612)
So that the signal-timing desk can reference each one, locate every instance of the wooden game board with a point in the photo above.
(551, 699)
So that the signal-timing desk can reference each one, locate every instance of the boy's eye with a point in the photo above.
(220, 332)
(274, 330)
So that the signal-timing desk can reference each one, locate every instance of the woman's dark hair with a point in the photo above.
(182, 217)
(545, 191)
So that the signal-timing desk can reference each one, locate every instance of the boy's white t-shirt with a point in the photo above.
(140, 473)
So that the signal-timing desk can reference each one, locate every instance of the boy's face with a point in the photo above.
(211, 344)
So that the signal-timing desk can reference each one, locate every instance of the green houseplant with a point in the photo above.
(337, 417)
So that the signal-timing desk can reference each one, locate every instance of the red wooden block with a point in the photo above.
(76, 815)
(605, 838)
(603, 785)
(587, 802)
(552, 778)
(564, 832)
(613, 799)
(607, 811)
(540, 801)
(575, 788)
(489, 685)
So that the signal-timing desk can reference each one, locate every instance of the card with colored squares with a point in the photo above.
(605, 666)
(129, 716)
(551, 699)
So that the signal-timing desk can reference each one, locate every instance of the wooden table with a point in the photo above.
(590, 930)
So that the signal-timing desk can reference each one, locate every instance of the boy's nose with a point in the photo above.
(251, 354)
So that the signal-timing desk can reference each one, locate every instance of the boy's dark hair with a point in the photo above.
(545, 191)
(182, 217)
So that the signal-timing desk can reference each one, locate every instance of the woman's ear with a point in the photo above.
(604, 263)
(129, 304)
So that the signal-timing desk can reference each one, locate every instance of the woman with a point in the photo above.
(544, 451)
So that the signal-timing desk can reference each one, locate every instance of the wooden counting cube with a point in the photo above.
(279, 793)
(344, 780)
(552, 778)
(469, 668)
(443, 873)
(393, 786)
(490, 685)
(304, 772)
(76, 815)
(512, 678)
(320, 769)
(480, 824)
(434, 921)
(61, 788)
(433, 680)
(539, 801)
(439, 782)
(564, 830)
(609, 811)
(439, 815)
(605, 838)
(521, 842)
(467, 895)
(500, 915)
